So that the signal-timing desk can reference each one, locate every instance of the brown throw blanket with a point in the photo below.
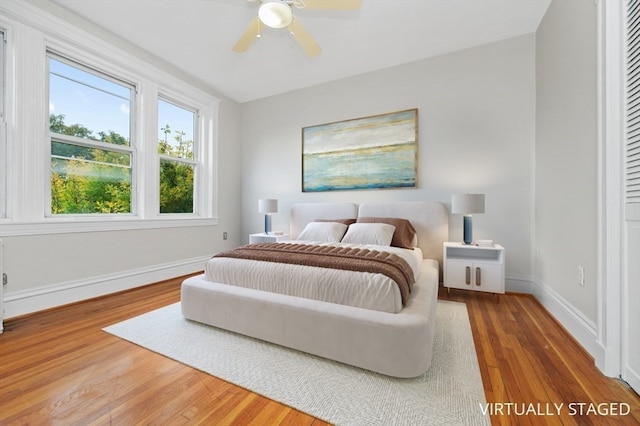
(345, 258)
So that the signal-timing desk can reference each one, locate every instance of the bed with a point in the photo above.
(395, 343)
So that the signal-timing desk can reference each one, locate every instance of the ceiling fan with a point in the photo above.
(279, 14)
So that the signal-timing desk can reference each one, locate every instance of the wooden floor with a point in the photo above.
(59, 368)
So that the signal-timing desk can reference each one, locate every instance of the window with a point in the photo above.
(91, 150)
(83, 140)
(178, 161)
(3, 128)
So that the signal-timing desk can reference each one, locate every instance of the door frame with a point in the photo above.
(612, 255)
(611, 126)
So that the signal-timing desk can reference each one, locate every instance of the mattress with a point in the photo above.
(357, 289)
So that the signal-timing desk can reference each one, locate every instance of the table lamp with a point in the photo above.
(467, 204)
(267, 206)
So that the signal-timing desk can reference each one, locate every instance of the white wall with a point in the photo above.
(46, 270)
(566, 165)
(476, 134)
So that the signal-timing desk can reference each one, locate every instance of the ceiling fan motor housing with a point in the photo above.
(275, 14)
(279, 14)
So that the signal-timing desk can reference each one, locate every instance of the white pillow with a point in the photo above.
(379, 234)
(326, 232)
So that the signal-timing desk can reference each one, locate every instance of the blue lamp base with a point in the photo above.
(267, 224)
(467, 230)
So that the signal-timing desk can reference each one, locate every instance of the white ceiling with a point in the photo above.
(197, 36)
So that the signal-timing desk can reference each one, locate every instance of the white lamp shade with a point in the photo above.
(267, 205)
(467, 203)
(275, 14)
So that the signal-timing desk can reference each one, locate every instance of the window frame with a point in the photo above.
(29, 142)
(197, 148)
(91, 143)
(3, 123)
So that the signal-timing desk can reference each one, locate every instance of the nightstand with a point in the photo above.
(264, 238)
(470, 267)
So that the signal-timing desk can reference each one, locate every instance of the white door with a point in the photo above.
(630, 370)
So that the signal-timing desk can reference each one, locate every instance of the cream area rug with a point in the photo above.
(449, 393)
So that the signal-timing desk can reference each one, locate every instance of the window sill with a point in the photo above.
(65, 226)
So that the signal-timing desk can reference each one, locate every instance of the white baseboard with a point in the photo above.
(33, 300)
(581, 328)
(519, 284)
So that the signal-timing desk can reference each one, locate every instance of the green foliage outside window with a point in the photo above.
(176, 187)
(176, 178)
(89, 180)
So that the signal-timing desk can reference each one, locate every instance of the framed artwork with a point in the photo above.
(380, 151)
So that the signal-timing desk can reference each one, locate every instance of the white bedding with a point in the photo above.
(358, 289)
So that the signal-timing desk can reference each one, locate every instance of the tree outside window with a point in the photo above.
(91, 153)
(177, 157)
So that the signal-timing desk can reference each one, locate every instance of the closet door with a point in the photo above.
(631, 226)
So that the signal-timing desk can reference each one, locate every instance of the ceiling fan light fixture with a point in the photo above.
(275, 14)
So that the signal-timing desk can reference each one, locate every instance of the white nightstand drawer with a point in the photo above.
(475, 276)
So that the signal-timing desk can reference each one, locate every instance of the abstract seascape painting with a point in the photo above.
(363, 153)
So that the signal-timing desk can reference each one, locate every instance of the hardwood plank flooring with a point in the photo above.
(58, 367)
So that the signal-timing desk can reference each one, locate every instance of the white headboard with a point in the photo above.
(430, 219)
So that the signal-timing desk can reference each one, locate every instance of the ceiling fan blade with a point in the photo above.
(249, 35)
(332, 4)
(304, 39)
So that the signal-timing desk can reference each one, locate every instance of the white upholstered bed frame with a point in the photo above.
(397, 345)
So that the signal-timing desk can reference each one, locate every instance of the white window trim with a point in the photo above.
(3, 120)
(35, 31)
(9, 117)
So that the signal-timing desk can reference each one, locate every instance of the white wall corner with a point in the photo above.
(580, 327)
(519, 284)
(38, 299)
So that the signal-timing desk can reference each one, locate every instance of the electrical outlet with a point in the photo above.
(224, 236)
(580, 276)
